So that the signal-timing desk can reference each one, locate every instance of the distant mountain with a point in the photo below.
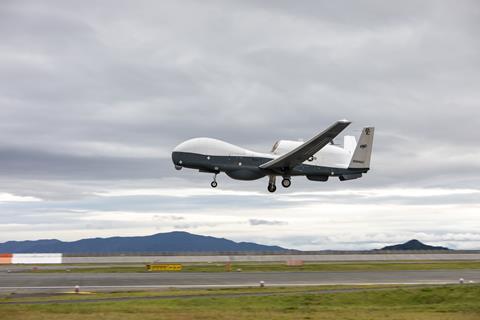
(176, 241)
(413, 245)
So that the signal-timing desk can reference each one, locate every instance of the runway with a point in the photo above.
(26, 282)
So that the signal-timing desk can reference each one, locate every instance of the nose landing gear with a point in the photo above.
(214, 182)
(271, 184)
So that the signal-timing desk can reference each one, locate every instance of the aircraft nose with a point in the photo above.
(176, 160)
(175, 157)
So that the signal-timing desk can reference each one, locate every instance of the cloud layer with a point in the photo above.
(94, 96)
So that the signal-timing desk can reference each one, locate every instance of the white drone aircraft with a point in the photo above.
(317, 159)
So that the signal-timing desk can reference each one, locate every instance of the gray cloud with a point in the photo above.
(259, 222)
(94, 96)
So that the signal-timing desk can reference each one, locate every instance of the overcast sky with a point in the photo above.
(95, 95)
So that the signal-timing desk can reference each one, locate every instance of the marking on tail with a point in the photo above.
(363, 151)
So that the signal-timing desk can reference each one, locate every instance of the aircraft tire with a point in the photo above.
(214, 184)
(286, 183)
(272, 188)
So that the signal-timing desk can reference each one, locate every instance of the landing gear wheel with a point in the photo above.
(286, 183)
(272, 188)
(214, 182)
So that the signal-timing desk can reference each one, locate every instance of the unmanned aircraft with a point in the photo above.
(318, 159)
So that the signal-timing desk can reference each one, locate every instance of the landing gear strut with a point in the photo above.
(214, 182)
(286, 182)
(271, 184)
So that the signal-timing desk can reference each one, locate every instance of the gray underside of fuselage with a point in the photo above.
(247, 168)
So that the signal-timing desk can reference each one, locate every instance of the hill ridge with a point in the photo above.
(175, 241)
(413, 244)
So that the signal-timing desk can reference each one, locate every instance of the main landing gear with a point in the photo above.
(286, 182)
(271, 187)
(271, 184)
(214, 182)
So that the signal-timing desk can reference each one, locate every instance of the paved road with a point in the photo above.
(24, 282)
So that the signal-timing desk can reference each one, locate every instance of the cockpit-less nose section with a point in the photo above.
(318, 159)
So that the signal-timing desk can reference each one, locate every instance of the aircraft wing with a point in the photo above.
(307, 149)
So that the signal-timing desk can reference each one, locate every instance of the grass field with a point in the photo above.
(169, 292)
(259, 267)
(445, 302)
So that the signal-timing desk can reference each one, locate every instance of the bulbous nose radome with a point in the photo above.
(177, 161)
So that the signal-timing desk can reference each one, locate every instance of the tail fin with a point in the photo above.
(363, 150)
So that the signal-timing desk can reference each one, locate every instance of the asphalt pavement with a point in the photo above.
(46, 282)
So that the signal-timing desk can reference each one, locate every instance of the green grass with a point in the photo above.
(66, 296)
(445, 302)
(338, 266)
(278, 267)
